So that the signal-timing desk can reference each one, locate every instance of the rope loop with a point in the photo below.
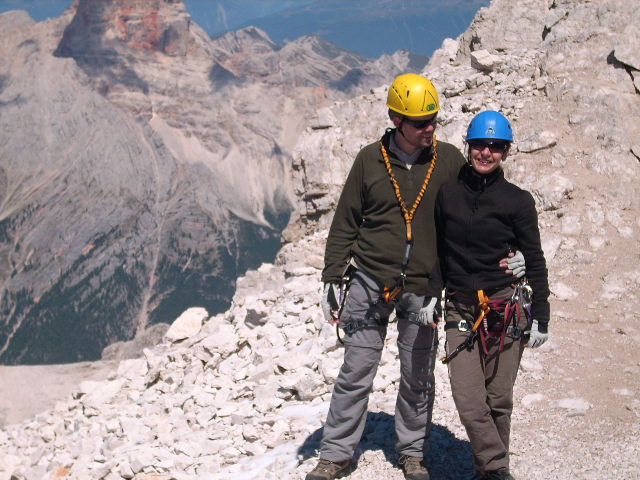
(408, 214)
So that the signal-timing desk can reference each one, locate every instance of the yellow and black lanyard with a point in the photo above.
(390, 293)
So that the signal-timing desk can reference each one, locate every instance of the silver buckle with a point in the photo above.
(514, 332)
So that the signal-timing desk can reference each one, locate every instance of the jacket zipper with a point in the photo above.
(474, 209)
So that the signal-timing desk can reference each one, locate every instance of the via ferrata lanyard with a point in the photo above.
(390, 293)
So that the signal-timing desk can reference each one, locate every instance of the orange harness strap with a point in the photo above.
(390, 293)
(408, 214)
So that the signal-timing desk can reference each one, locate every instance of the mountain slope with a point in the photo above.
(243, 394)
(144, 166)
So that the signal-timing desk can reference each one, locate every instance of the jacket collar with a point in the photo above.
(424, 158)
(476, 181)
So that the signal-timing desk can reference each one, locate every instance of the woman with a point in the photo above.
(480, 218)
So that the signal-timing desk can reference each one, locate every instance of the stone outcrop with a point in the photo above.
(118, 26)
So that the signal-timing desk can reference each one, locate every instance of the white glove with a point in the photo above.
(427, 313)
(536, 338)
(516, 264)
(329, 302)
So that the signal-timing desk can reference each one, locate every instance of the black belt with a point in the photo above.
(371, 321)
(512, 331)
(353, 326)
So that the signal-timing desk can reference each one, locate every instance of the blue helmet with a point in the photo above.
(490, 124)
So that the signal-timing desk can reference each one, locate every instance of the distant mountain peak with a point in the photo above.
(111, 26)
(255, 33)
(324, 47)
(247, 39)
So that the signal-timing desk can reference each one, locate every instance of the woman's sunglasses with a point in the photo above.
(494, 146)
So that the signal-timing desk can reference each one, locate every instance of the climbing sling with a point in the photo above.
(390, 293)
(511, 309)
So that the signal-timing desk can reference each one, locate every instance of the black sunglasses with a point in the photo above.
(494, 146)
(420, 124)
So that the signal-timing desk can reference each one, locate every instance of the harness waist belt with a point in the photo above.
(413, 318)
(354, 325)
(512, 331)
(470, 298)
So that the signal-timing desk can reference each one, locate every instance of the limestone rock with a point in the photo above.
(563, 291)
(186, 325)
(574, 406)
(626, 53)
(537, 141)
(484, 60)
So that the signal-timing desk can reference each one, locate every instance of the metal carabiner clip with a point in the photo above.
(463, 326)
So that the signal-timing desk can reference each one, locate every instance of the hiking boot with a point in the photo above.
(328, 470)
(501, 474)
(413, 468)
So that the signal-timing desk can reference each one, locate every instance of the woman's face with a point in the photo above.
(485, 155)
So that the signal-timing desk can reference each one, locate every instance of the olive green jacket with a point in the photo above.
(368, 224)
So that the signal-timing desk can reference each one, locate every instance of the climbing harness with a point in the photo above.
(511, 309)
(390, 293)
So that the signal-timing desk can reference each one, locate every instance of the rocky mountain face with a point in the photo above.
(242, 394)
(144, 166)
(570, 95)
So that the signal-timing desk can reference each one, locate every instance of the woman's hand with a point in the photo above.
(514, 264)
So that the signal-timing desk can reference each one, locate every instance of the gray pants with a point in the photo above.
(417, 347)
(482, 388)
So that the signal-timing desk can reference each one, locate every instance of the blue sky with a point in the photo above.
(38, 9)
(370, 27)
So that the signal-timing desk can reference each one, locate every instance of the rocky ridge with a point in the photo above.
(243, 394)
(132, 166)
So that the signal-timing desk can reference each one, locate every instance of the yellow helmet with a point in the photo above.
(413, 95)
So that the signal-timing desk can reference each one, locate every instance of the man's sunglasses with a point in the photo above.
(494, 146)
(420, 124)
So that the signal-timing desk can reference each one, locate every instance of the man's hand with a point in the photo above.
(514, 264)
(427, 316)
(536, 337)
(330, 303)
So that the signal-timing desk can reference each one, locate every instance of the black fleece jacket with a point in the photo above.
(479, 218)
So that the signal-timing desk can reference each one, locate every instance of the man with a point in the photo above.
(384, 232)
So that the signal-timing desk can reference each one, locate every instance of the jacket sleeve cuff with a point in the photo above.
(330, 279)
(543, 326)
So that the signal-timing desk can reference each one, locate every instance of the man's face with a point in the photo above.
(418, 131)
